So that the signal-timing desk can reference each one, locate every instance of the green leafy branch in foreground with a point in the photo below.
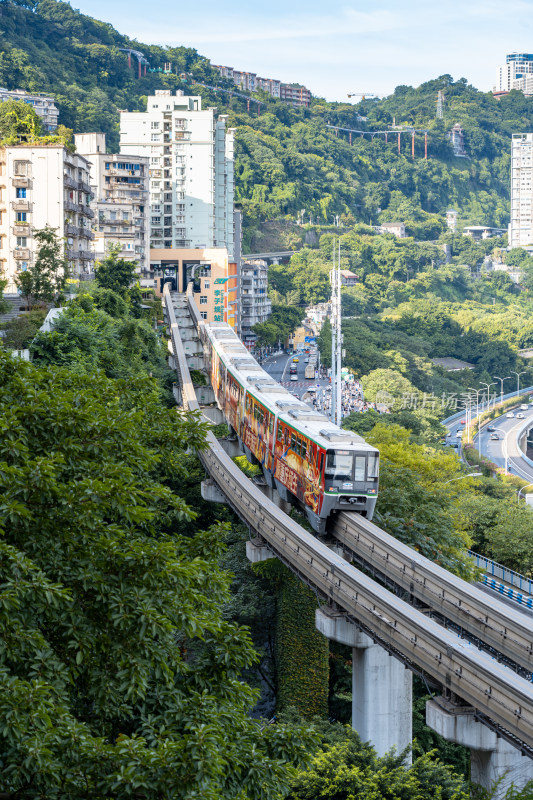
(119, 676)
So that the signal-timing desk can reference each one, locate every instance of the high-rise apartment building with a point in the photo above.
(516, 68)
(43, 105)
(120, 191)
(521, 225)
(255, 305)
(44, 185)
(191, 170)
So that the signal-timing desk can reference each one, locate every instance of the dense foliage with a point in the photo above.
(119, 674)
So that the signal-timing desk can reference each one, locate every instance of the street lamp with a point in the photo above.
(477, 391)
(518, 380)
(497, 377)
(520, 491)
(470, 475)
(488, 385)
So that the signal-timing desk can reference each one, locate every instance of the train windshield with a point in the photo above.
(339, 465)
(373, 466)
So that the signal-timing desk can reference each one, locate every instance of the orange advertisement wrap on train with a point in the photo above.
(257, 430)
(297, 466)
(233, 402)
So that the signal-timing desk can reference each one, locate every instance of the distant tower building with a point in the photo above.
(517, 66)
(440, 104)
(191, 170)
(521, 225)
(457, 139)
(451, 219)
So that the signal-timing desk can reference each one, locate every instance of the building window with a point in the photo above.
(154, 125)
(206, 284)
(22, 241)
(21, 167)
(21, 193)
(21, 216)
(155, 137)
(203, 299)
(203, 314)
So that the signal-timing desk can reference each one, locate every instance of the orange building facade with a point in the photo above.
(215, 279)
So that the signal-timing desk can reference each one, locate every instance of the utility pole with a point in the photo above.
(333, 279)
(336, 337)
(338, 393)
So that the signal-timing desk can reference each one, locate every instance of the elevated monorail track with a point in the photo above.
(501, 698)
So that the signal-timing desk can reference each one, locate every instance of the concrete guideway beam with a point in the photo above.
(382, 693)
(494, 763)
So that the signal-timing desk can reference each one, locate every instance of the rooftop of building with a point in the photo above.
(452, 364)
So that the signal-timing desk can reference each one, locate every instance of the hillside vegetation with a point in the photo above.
(288, 161)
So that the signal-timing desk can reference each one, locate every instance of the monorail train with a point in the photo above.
(303, 455)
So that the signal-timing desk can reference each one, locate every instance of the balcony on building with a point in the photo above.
(21, 229)
(21, 182)
(21, 205)
(21, 253)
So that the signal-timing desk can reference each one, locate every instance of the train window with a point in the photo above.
(339, 464)
(320, 462)
(359, 468)
(373, 466)
(280, 433)
(271, 424)
(294, 443)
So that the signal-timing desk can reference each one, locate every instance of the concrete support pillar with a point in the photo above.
(210, 492)
(492, 759)
(382, 695)
(257, 550)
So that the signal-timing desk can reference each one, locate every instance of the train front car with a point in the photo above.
(351, 473)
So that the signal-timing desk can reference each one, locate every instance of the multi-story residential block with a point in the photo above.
(269, 85)
(255, 305)
(249, 81)
(120, 192)
(44, 185)
(296, 94)
(517, 66)
(191, 170)
(524, 84)
(521, 225)
(43, 105)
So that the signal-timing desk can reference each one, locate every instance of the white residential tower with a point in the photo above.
(191, 170)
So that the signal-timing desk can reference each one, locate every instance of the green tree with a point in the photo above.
(45, 279)
(115, 273)
(19, 123)
(346, 769)
(118, 674)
